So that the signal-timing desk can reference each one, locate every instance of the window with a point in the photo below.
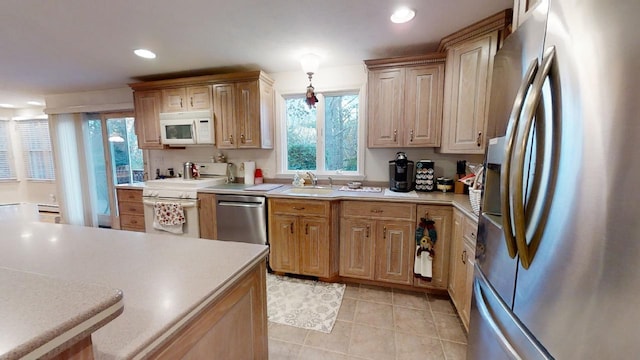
(323, 139)
(36, 149)
(6, 166)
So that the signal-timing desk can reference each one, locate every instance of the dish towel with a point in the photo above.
(426, 237)
(168, 217)
(424, 263)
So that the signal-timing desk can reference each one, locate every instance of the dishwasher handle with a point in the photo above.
(240, 204)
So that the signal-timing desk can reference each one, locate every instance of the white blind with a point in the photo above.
(7, 170)
(36, 149)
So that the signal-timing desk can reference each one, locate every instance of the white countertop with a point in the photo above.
(164, 279)
(44, 316)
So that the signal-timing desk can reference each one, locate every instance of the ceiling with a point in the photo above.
(62, 46)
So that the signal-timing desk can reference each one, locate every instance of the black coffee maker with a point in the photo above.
(401, 173)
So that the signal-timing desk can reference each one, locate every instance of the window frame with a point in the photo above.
(26, 160)
(321, 172)
(11, 164)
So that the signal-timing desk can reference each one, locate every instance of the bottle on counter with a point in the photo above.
(258, 179)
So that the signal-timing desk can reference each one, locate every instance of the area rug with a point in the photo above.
(303, 303)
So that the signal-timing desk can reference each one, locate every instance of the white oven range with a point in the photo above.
(167, 200)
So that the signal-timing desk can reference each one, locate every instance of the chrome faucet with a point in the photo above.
(313, 177)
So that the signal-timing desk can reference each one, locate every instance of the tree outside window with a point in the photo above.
(323, 139)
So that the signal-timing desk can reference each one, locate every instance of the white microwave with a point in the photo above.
(186, 128)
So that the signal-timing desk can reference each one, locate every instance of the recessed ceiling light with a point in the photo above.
(402, 15)
(9, 106)
(144, 53)
(34, 103)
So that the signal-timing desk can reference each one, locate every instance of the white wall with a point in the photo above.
(295, 82)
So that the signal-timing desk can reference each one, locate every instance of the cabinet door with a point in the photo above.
(147, 123)
(455, 264)
(283, 248)
(423, 105)
(465, 310)
(314, 246)
(385, 103)
(199, 98)
(267, 114)
(248, 114)
(468, 81)
(223, 105)
(207, 214)
(174, 100)
(394, 252)
(441, 215)
(356, 248)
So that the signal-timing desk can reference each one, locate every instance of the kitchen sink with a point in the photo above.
(309, 190)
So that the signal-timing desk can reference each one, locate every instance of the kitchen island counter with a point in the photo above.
(168, 282)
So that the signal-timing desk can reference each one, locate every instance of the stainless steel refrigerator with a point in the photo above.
(558, 255)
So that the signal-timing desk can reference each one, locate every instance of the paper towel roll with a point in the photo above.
(249, 171)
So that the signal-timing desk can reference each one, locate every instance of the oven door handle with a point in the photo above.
(185, 204)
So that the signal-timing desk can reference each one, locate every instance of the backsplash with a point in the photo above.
(376, 160)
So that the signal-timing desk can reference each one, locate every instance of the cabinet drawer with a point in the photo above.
(129, 195)
(299, 207)
(132, 222)
(382, 210)
(470, 229)
(130, 207)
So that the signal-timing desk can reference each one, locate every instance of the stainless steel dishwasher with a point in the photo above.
(242, 218)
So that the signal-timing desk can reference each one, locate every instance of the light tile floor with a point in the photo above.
(378, 323)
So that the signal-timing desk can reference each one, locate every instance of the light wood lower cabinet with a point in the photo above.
(441, 215)
(130, 209)
(207, 215)
(377, 241)
(461, 264)
(303, 237)
(233, 327)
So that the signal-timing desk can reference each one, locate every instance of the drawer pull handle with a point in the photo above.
(384, 232)
(180, 102)
(411, 136)
(306, 229)
(291, 228)
(191, 101)
(377, 211)
(479, 139)
(242, 138)
(395, 135)
(367, 231)
(298, 208)
(464, 256)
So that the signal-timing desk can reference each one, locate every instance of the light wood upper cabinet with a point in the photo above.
(147, 112)
(191, 98)
(243, 113)
(405, 101)
(442, 217)
(466, 104)
(303, 237)
(467, 86)
(243, 106)
(461, 264)
(377, 241)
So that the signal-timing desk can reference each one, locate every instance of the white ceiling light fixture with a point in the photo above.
(144, 53)
(7, 106)
(116, 138)
(402, 15)
(35, 103)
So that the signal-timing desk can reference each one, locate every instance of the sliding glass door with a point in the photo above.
(113, 158)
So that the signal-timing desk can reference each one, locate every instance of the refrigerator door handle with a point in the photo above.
(507, 216)
(527, 251)
(483, 309)
(512, 325)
